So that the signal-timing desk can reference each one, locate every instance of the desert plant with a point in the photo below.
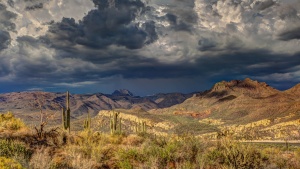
(129, 158)
(8, 163)
(15, 149)
(115, 122)
(236, 155)
(9, 122)
(87, 122)
(40, 159)
(66, 113)
(140, 127)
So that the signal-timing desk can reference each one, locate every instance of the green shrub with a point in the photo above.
(130, 158)
(8, 163)
(236, 155)
(8, 121)
(10, 148)
(161, 151)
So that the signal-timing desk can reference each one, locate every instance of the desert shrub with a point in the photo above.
(189, 148)
(157, 156)
(8, 121)
(91, 150)
(212, 158)
(133, 140)
(40, 159)
(116, 138)
(60, 163)
(9, 148)
(297, 153)
(130, 158)
(8, 163)
(161, 152)
(16, 150)
(235, 155)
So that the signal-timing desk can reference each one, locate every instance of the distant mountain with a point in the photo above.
(122, 92)
(27, 102)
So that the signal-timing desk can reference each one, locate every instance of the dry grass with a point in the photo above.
(92, 150)
(41, 159)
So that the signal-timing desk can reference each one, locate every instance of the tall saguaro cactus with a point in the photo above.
(114, 119)
(87, 122)
(66, 113)
(140, 127)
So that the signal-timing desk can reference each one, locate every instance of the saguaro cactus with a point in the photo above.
(144, 127)
(140, 127)
(66, 113)
(114, 119)
(87, 122)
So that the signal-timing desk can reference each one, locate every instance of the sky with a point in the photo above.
(147, 46)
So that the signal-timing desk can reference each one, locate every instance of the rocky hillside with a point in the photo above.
(242, 106)
(239, 101)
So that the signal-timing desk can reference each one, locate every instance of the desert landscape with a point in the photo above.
(149, 84)
(235, 124)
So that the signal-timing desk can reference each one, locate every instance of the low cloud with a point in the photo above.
(76, 84)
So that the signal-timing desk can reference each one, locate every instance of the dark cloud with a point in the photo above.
(4, 40)
(206, 44)
(234, 64)
(149, 27)
(290, 35)
(181, 15)
(6, 25)
(64, 33)
(105, 26)
(158, 40)
(11, 3)
(179, 24)
(250, 63)
(134, 5)
(34, 7)
(262, 5)
(6, 19)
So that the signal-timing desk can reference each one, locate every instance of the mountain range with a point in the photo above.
(32, 101)
(240, 105)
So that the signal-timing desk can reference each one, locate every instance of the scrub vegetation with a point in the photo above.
(23, 147)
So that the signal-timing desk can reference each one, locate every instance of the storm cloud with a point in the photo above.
(136, 41)
(6, 25)
(107, 25)
(4, 39)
